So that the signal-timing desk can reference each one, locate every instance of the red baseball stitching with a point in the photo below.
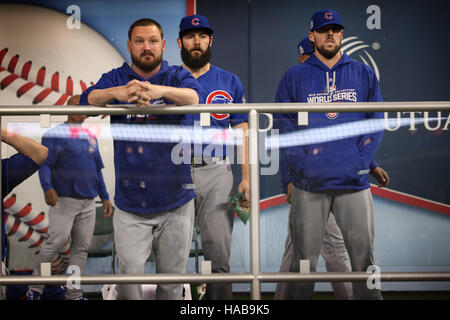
(15, 221)
(40, 78)
(14, 227)
(26, 216)
(27, 236)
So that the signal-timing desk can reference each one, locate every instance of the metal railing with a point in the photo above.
(255, 277)
(230, 108)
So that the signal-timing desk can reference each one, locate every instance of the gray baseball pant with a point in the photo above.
(168, 233)
(333, 252)
(215, 216)
(73, 218)
(354, 213)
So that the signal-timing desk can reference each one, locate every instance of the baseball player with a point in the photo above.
(330, 176)
(333, 248)
(305, 50)
(211, 173)
(71, 178)
(153, 195)
(17, 168)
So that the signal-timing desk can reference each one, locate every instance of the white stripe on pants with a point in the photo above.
(168, 233)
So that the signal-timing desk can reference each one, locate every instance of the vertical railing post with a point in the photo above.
(255, 293)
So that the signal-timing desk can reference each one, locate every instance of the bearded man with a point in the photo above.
(331, 176)
(211, 171)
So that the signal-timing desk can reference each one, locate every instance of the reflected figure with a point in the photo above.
(17, 168)
(71, 178)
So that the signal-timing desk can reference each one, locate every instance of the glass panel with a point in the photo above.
(410, 213)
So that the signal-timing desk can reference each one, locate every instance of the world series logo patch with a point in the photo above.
(332, 115)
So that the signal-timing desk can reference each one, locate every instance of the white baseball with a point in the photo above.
(42, 61)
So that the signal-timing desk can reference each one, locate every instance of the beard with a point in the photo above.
(329, 53)
(146, 66)
(195, 61)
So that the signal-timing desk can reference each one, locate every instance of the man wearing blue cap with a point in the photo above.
(330, 176)
(304, 50)
(333, 248)
(211, 172)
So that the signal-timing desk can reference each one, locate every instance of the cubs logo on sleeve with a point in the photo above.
(219, 97)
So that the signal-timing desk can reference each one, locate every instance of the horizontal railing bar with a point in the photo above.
(230, 108)
(353, 276)
(127, 279)
(231, 277)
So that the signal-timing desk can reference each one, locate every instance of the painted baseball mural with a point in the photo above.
(44, 60)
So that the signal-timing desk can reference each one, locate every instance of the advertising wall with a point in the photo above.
(50, 50)
(403, 41)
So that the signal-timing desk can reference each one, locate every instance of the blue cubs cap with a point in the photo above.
(323, 17)
(304, 47)
(195, 21)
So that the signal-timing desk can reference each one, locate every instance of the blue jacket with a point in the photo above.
(73, 166)
(338, 164)
(147, 180)
(221, 87)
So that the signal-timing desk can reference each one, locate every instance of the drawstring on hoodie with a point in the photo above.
(331, 89)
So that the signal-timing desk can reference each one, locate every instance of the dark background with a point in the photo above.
(257, 40)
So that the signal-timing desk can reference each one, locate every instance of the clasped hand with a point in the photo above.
(141, 93)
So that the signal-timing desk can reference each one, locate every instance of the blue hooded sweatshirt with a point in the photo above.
(342, 164)
(147, 180)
